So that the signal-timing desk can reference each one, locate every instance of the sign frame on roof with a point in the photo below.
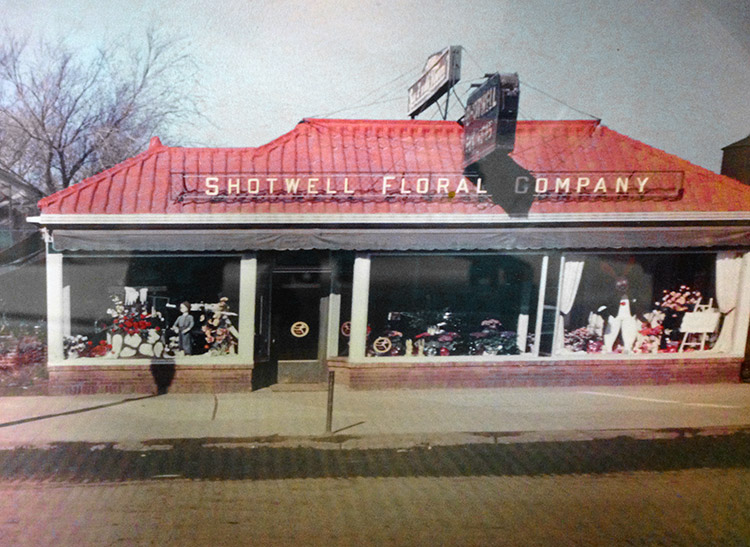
(480, 120)
(490, 117)
(441, 72)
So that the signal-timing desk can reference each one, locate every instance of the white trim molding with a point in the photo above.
(225, 219)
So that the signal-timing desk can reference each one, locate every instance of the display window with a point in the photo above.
(646, 303)
(151, 307)
(452, 305)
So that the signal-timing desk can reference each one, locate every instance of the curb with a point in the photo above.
(396, 441)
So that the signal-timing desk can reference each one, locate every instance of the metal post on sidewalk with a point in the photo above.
(329, 410)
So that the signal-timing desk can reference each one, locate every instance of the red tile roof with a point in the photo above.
(153, 182)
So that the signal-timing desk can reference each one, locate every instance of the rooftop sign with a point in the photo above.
(490, 118)
(441, 72)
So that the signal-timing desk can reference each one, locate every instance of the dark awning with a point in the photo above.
(28, 250)
(402, 239)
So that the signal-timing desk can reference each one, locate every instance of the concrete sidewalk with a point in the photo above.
(379, 418)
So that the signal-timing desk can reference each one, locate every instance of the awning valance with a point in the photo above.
(402, 239)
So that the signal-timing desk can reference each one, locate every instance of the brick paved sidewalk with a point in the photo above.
(421, 414)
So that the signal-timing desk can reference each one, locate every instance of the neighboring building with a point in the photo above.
(17, 201)
(735, 161)
(21, 255)
(364, 247)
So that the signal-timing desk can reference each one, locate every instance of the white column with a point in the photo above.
(742, 317)
(360, 301)
(66, 311)
(559, 330)
(55, 308)
(540, 306)
(248, 283)
(334, 320)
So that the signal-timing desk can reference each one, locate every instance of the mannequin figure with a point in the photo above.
(182, 326)
(623, 322)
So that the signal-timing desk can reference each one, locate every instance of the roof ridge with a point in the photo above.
(566, 122)
(343, 121)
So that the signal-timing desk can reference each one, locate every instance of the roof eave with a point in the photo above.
(200, 219)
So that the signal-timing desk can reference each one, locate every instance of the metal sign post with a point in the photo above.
(329, 408)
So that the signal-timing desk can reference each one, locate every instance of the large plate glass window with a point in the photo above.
(646, 303)
(452, 304)
(151, 307)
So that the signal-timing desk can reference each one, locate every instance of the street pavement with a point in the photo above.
(384, 418)
(634, 465)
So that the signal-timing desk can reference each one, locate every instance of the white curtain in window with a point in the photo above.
(571, 278)
(728, 267)
(522, 328)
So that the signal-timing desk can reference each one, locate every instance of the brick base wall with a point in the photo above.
(90, 379)
(535, 374)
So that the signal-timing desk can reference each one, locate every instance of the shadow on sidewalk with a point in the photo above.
(76, 411)
(258, 459)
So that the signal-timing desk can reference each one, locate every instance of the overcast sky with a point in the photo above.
(673, 74)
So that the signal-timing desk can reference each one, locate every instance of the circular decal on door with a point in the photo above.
(382, 345)
(300, 329)
(346, 328)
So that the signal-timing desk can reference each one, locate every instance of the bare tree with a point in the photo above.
(65, 115)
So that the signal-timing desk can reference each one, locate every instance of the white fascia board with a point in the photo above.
(224, 219)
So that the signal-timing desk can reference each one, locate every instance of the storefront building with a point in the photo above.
(369, 248)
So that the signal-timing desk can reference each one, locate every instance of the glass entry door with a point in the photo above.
(295, 323)
(293, 290)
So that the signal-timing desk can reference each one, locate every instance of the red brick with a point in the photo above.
(89, 379)
(536, 373)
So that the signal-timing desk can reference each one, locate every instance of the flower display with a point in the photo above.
(584, 340)
(680, 300)
(128, 320)
(658, 332)
(493, 340)
(81, 346)
(74, 346)
(98, 350)
(435, 341)
(221, 335)
(129, 331)
(442, 333)
(648, 339)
